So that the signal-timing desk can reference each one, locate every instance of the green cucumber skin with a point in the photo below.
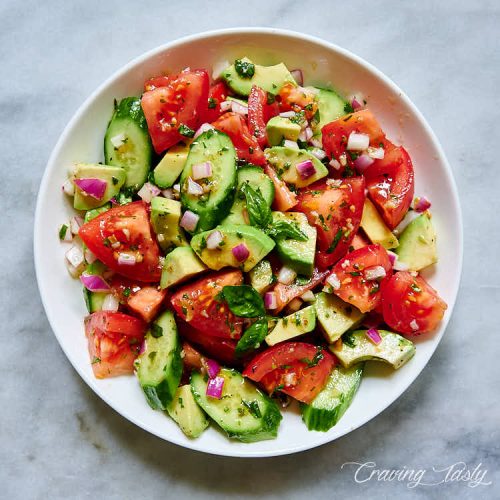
(323, 419)
(128, 113)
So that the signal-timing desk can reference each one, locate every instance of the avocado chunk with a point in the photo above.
(294, 325)
(243, 411)
(256, 241)
(170, 167)
(356, 347)
(261, 276)
(113, 176)
(159, 366)
(180, 265)
(165, 217)
(298, 255)
(330, 106)
(257, 179)
(335, 316)
(269, 78)
(331, 403)
(417, 243)
(186, 413)
(285, 160)
(279, 128)
(374, 227)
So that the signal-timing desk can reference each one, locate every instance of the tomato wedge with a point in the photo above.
(180, 103)
(155, 82)
(284, 199)
(335, 209)
(295, 368)
(293, 98)
(391, 184)
(357, 274)
(359, 241)
(198, 304)
(217, 94)
(123, 233)
(410, 305)
(114, 341)
(259, 113)
(246, 145)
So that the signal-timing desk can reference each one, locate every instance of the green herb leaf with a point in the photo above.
(185, 130)
(252, 336)
(212, 103)
(348, 108)
(244, 301)
(253, 408)
(348, 339)
(62, 231)
(284, 230)
(156, 330)
(335, 242)
(316, 359)
(244, 68)
(258, 210)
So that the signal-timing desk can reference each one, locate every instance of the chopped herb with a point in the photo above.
(62, 231)
(348, 108)
(181, 402)
(253, 408)
(212, 103)
(185, 130)
(184, 310)
(156, 330)
(415, 288)
(127, 292)
(349, 339)
(355, 273)
(335, 242)
(270, 98)
(96, 360)
(203, 243)
(114, 180)
(245, 69)
(316, 359)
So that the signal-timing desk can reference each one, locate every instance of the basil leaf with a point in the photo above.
(284, 230)
(244, 68)
(252, 336)
(258, 210)
(244, 301)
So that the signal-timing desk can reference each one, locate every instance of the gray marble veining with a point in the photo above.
(59, 440)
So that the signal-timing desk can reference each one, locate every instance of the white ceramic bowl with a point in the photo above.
(323, 64)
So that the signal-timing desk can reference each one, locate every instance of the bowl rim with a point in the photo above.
(68, 130)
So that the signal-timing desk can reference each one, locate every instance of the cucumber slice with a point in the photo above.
(159, 367)
(217, 148)
(330, 106)
(243, 411)
(331, 403)
(93, 300)
(258, 180)
(127, 143)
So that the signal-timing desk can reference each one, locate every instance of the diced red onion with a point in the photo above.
(213, 368)
(309, 133)
(126, 259)
(414, 325)
(90, 258)
(225, 106)
(110, 303)
(392, 257)
(286, 275)
(290, 144)
(308, 296)
(318, 153)
(376, 153)
(298, 76)
(118, 140)
(240, 252)
(362, 162)
(148, 191)
(75, 256)
(75, 223)
(316, 143)
(270, 300)
(374, 273)
(422, 204)
(214, 240)
(92, 187)
(333, 281)
(168, 193)
(374, 335)
(214, 387)
(177, 188)
(189, 221)
(94, 282)
(202, 170)
(305, 169)
(356, 104)
(194, 188)
(287, 114)
(69, 188)
(238, 107)
(334, 164)
(202, 128)
(358, 142)
(113, 201)
(144, 347)
(294, 305)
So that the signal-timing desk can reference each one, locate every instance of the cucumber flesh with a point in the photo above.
(127, 143)
(331, 403)
(243, 411)
(159, 367)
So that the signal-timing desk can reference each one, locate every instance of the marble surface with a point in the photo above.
(58, 440)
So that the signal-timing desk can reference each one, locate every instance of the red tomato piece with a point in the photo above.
(295, 368)
(335, 209)
(335, 135)
(191, 359)
(284, 199)
(217, 94)
(259, 113)
(286, 293)
(155, 82)
(353, 272)
(181, 102)
(114, 341)
(359, 241)
(391, 184)
(246, 145)
(198, 304)
(124, 230)
(292, 98)
(410, 305)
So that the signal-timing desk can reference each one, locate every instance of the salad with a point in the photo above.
(249, 241)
